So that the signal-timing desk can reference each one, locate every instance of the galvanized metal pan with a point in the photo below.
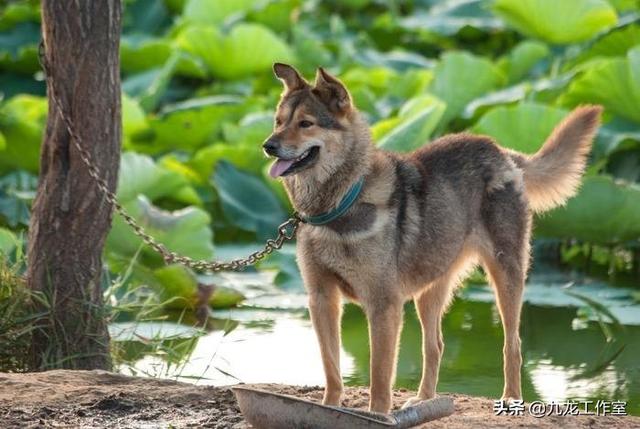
(266, 410)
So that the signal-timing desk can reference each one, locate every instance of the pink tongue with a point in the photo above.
(279, 167)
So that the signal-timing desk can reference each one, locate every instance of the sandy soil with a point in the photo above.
(97, 399)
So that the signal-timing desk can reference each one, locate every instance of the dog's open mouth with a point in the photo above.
(285, 167)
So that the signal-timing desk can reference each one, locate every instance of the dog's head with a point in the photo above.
(312, 125)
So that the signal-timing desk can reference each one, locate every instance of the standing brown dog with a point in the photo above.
(419, 224)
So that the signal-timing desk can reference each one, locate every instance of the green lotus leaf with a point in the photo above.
(508, 95)
(214, 12)
(14, 13)
(384, 127)
(410, 83)
(633, 57)
(624, 163)
(307, 51)
(17, 191)
(225, 297)
(8, 242)
(386, 82)
(522, 58)
(245, 157)
(134, 120)
(559, 22)
(186, 231)
(277, 15)
(351, 4)
(613, 135)
(175, 6)
(190, 124)
(252, 129)
(150, 97)
(14, 83)
(288, 274)
(243, 149)
(624, 5)
(246, 50)
(150, 85)
(370, 89)
(139, 175)
(377, 79)
(398, 59)
(540, 89)
(177, 286)
(614, 83)
(448, 17)
(145, 16)
(142, 52)
(461, 77)
(417, 120)
(22, 122)
(604, 212)
(615, 43)
(18, 50)
(523, 127)
(247, 202)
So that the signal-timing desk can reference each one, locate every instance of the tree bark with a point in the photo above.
(70, 216)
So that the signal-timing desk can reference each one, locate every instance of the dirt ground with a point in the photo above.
(98, 399)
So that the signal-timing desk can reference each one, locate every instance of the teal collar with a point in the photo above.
(345, 204)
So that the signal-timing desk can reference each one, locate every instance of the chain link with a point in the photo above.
(286, 231)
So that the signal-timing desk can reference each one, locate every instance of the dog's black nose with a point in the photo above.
(271, 147)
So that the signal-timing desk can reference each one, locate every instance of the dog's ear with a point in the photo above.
(289, 76)
(332, 92)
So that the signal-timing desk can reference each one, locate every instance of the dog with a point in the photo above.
(417, 225)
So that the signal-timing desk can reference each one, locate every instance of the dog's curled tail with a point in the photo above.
(552, 175)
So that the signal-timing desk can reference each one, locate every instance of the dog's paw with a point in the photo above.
(509, 400)
(413, 401)
(334, 399)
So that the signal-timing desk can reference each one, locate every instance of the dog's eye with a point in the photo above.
(305, 124)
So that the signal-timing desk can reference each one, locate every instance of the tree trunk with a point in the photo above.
(70, 217)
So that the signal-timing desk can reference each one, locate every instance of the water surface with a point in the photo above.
(567, 354)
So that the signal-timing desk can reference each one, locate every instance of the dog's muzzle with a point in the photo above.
(271, 147)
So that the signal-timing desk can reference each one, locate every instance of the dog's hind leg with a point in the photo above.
(508, 281)
(506, 260)
(430, 306)
(325, 306)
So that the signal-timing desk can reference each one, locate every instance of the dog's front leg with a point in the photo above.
(325, 306)
(385, 322)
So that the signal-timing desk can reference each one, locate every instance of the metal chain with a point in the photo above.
(286, 231)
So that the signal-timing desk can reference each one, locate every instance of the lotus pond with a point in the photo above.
(573, 347)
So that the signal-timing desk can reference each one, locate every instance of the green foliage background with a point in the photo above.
(198, 98)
